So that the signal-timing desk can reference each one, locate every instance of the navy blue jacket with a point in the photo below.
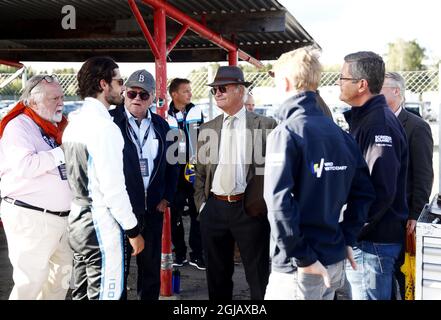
(313, 168)
(163, 182)
(382, 141)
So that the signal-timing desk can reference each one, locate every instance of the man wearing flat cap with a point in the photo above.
(229, 188)
(150, 179)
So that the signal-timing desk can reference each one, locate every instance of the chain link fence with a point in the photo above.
(416, 81)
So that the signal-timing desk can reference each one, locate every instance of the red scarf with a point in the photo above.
(48, 127)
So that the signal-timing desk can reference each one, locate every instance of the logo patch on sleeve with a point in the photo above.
(383, 141)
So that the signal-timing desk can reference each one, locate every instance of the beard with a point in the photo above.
(46, 115)
(57, 117)
(114, 97)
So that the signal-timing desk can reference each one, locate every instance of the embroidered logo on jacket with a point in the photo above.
(317, 168)
(383, 141)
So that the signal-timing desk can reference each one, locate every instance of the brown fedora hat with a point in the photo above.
(229, 75)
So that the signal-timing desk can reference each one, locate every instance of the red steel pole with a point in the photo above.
(232, 57)
(144, 28)
(176, 39)
(202, 30)
(161, 109)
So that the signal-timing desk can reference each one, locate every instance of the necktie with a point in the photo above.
(228, 168)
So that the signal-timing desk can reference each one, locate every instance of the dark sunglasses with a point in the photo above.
(222, 89)
(142, 95)
(48, 78)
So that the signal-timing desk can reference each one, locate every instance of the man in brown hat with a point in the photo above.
(229, 188)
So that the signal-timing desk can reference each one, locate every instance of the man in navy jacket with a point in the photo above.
(150, 178)
(382, 141)
(313, 168)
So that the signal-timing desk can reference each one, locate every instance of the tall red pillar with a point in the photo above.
(161, 108)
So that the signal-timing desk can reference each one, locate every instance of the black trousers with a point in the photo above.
(149, 260)
(222, 224)
(184, 197)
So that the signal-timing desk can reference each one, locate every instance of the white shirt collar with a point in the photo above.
(130, 116)
(397, 113)
(98, 105)
(239, 114)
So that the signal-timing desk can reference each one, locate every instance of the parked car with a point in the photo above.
(70, 106)
(415, 108)
(267, 110)
(428, 113)
(5, 106)
(421, 109)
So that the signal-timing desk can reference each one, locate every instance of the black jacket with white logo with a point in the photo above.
(382, 141)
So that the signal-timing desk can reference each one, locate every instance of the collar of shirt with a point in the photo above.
(97, 106)
(133, 119)
(240, 115)
(397, 113)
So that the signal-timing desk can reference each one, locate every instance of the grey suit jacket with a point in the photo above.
(208, 152)
(420, 170)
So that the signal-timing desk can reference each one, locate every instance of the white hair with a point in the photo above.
(34, 90)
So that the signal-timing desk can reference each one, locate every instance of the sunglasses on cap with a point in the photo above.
(143, 95)
(48, 78)
(222, 89)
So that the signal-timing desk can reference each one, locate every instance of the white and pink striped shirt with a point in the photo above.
(29, 167)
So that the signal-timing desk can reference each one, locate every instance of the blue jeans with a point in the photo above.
(375, 270)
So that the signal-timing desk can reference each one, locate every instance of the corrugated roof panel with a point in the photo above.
(110, 24)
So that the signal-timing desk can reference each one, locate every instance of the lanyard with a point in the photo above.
(135, 136)
(50, 141)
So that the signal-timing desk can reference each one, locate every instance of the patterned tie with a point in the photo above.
(228, 168)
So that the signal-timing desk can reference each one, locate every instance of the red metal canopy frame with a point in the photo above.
(14, 64)
(160, 50)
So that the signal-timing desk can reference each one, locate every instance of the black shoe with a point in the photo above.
(179, 262)
(198, 263)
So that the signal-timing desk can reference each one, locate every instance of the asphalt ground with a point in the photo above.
(193, 281)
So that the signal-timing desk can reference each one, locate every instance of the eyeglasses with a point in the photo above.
(343, 78)
(48, 78)
(143, 95)
(222, 89)
(120, 81)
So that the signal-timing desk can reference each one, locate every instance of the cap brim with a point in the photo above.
(131, 84)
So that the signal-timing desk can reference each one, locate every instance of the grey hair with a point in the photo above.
(33, 89)
(398, 81)
(369, 66)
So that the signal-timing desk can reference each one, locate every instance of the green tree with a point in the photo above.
(405, 56)
(14, 88)
(64, 71)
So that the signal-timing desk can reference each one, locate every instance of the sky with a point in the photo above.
(340, 27)
(343, 26)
